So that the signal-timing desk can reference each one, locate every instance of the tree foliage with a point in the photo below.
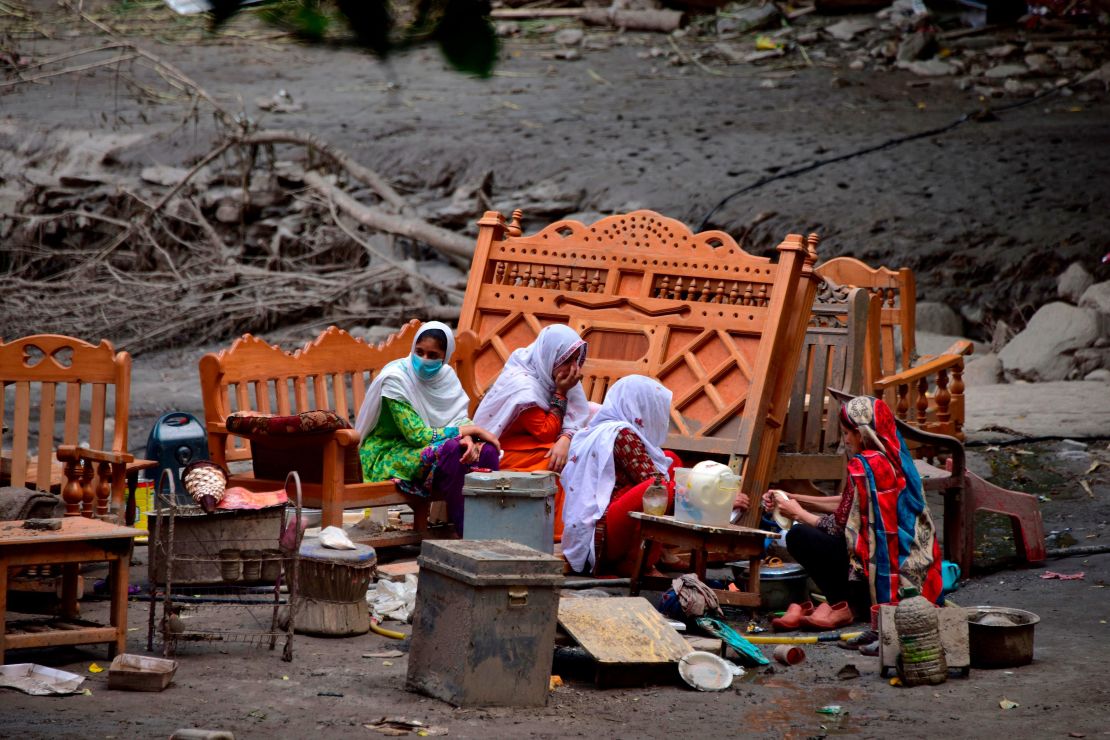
(461, 28)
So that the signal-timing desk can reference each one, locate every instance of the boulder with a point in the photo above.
(1045, 349)
(983, 370)
(1102, 374)
(1097, 297)
(1090, 359)
(938, 318)
(929, 343)
(1073, 282)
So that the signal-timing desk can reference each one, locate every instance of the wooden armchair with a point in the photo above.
(93, 455)
(927, 392)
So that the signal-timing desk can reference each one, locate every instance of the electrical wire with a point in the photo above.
(981, 115)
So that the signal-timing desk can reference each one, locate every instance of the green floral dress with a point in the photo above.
(401, 447)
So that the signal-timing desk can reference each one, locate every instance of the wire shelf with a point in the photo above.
(239, 593)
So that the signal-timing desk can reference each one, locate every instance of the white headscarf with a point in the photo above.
(440, 401)
(634, 402)
(526, 382)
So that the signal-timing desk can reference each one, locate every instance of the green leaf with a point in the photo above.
(466, 36)
(371, 21)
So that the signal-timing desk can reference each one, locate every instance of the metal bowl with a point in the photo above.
(1005, 639)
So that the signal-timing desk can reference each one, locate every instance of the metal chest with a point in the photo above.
(484, 627)
(505, 505)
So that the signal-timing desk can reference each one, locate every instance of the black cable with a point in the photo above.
(979, 115)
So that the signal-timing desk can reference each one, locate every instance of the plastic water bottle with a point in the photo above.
(655, 498)
(922, 661)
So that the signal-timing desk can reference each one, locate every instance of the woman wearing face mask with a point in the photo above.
(536, 405)
(414, 426)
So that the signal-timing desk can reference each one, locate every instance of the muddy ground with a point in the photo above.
(987, 214)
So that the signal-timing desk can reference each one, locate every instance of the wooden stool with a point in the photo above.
(732, 541)
(331, 598)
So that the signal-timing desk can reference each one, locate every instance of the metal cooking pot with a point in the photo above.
(1000, 645)
(779, 585)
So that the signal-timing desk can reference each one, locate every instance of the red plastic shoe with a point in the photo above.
(795, 613)
(829, 617)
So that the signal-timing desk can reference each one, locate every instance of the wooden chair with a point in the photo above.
(331, 372)
(927, 392)
(721, 328)
(94, 443)
(832, 356)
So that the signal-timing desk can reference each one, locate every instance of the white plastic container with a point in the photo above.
(705, 493)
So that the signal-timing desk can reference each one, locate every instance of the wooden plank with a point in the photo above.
(96, 420)
(339, 391)
(46, 435)
(792, 433)
(621, 630)
(818, 381)
(73, 528)
(20, 431)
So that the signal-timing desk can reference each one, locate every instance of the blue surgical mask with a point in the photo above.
(425, 369)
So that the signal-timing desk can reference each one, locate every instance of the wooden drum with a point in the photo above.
(331, 593)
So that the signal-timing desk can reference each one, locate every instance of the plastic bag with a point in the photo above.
(335, 538)
(393, 600)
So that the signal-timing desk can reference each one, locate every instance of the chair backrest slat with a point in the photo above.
(96, 415)
(21, 432)
(46, 434)
(72, 432)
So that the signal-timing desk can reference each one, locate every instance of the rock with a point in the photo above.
(1040, 64)
(167, 176)
(749, 19)
(917, 45)
(1044, 349)
(938, 318)
(1001, 334)
(228, 212)
(983, 370)
(597, 43)
(1003, 71)
(1102, 74)
(729, 52)
(857, 65)
(848, 29)
(1017, 87)
(929, 68)
(840, 82)
(1073, 282)
(1097, 297)
(568, 55)
(1102, 374)
(1089, 359)
(569, 36)
(1001, 52)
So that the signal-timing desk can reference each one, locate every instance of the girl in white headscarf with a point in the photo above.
(414, 426)
(536, 405)
(611, 464)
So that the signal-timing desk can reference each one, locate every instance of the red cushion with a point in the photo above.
(306, 422)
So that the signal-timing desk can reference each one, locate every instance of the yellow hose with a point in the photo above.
(798, 639)
(386, 633)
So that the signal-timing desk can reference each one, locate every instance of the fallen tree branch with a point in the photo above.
(385, 258)
(442, 240)
(365, 175)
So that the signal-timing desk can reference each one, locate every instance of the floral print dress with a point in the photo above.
(402, 447)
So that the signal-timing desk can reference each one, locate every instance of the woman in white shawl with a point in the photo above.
(414, 426)
(536, 405)
(611, 465)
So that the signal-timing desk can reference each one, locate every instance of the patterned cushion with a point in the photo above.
(306, 422)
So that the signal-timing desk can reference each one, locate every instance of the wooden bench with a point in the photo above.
(927, 392)
(721, 328)
(331, 372)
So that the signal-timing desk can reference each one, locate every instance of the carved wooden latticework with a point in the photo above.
(60, 373)
(925, 391)
(718, 326)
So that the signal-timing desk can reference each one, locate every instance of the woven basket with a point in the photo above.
(206, 482)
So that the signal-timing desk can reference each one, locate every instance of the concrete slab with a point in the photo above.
(1078, 408)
